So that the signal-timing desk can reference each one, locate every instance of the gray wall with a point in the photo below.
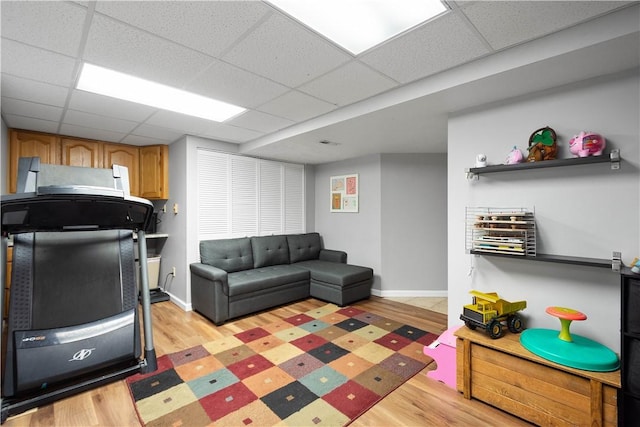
(586, 211)
(400, 229)
(357, 233)
(413, 216)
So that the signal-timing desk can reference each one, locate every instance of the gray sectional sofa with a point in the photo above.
(241, 276)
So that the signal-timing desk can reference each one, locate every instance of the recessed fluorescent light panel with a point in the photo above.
(129, 88)
(358, 25)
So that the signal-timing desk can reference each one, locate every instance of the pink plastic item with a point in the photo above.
(443, 351)
(587, 144)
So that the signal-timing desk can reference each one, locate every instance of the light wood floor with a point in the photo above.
(421, 401)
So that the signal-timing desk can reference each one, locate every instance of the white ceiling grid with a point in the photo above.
(297, 86)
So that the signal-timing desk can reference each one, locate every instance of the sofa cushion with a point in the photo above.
(269, 250)
(336, 273)
(303, 247)
(227, 254)
(247, 281)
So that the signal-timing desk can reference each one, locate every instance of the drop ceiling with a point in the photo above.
(299, 88)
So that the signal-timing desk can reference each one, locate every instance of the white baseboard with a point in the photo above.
(177, 301)
(376, 292)
(410, 293)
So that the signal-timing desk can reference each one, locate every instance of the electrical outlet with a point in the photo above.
(173, 271)
(175, 208)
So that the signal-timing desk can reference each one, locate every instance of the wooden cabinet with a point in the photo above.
(31, 144)
(124, 155)
(502, 373)
(7, 282)
(81, 152)
(154, 176)
(148, 166)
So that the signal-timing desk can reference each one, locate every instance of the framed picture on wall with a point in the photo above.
(344, 193)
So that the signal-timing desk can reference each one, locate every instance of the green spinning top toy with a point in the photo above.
(566, 349)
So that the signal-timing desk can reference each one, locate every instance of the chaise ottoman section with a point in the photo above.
(341, 284)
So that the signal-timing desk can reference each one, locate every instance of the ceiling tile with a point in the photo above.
(55, 26)
(157, 133)
(126, 49)
(28, 123)
(505, 23)
(142, 140)
(444, 43)
(79, 118)
(36, 64)
(225, 132)
(349, 83)
(261, 122)
(297, 106)
(31, 109)
(285, 52)
(110, 107)
(90, 133)
(178, 122)
(210, 27)
(231, 84)
(29, 90)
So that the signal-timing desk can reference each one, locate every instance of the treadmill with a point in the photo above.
(73, 320)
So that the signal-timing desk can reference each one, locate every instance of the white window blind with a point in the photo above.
(271, 197)
(244, 199)
(242, 196)
(294, 199)
(213, 194)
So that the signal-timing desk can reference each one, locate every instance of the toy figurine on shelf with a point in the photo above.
(542, 145)
(587, 144)
(481, 160)
(515, 156)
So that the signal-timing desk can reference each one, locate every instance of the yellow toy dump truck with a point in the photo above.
(488, 311)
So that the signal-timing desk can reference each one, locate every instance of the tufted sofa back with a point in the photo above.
(269, 250)
(227, 254)
(304, 247)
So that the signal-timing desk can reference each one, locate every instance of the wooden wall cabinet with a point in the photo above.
(124, 155)
(154, 176)
(148, 166)
(31, 144)
(81, 152)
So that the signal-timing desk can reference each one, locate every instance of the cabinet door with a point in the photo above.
(7, 288)
(81, 152)
(124, 155)
(154, 172)
(31, 144)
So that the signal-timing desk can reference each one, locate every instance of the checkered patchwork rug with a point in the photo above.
(324, 367)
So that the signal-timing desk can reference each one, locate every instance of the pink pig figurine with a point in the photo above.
(587, 144)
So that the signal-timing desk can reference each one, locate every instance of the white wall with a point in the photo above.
(413, 217)
(586, 211)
